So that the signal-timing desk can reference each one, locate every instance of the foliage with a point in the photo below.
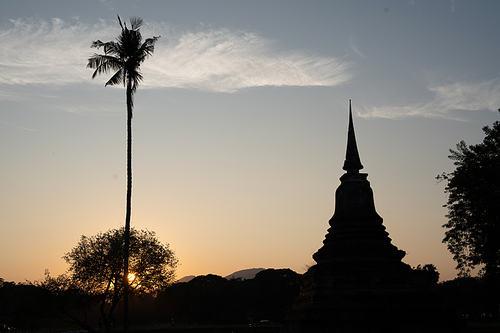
(205, 300)
(125, 55)
(66, 300)
(471, 297)
(473, 227)
(23, 305)
(276, 289)
(212, 299)
(429, 272)
(96, 267)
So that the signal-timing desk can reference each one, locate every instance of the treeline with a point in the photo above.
(212, 299)
(208, 299)
(475, 299)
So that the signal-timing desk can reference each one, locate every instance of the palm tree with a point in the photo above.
(124, 57)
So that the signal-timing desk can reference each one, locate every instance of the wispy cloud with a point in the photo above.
(225, 60)
(55, 53)
(41, 52)
(352, 44)
(17, 126)
(458, 96)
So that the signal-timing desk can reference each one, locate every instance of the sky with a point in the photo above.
(240, 125)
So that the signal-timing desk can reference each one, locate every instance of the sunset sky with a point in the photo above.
(240, 125)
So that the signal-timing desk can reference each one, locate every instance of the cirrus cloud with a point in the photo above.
(55, 53)
(457, 96)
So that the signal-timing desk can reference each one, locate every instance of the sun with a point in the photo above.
(131, 277)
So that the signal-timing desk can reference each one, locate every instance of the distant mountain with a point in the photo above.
(245, 274)
(186, 278)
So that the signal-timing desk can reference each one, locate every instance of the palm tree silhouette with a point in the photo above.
(125, 56)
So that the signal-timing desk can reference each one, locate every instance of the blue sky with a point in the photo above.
(239, 126)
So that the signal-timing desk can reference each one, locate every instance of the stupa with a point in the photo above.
(359, 282)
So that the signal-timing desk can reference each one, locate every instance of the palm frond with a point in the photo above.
(136, 22)
(97, 44)
(136, 79)
(103, 64)
(146, 49)
(120, 21)
(109, 47)
(117, 78)
(112, 48)
(149, 44)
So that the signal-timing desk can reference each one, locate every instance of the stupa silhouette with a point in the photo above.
(360, 283)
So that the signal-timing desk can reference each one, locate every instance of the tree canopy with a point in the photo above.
(473, 188)
(124, 56)
(96, 266)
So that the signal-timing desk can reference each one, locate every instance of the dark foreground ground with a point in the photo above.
(484, 328)
(164, 328)
(266, 328)
(271, 328)
(255, 328)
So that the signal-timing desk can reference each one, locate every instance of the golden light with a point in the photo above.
(131, 278)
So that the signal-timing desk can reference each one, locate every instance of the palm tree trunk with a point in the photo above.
(129, 209)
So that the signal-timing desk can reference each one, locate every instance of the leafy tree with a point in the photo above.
(66, 301)
(96, 267)
(429, 272)
(473, 227)
(23, 306)
(125, 56)
(470, 297)
(274, 291)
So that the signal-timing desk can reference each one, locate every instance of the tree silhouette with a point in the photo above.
(96, 266)
(124, 56)
(473, 188)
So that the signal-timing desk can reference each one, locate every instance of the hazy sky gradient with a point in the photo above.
(240, 124)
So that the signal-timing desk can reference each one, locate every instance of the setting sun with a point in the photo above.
(131, 277)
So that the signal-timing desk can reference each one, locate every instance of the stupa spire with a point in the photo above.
(352, 163)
